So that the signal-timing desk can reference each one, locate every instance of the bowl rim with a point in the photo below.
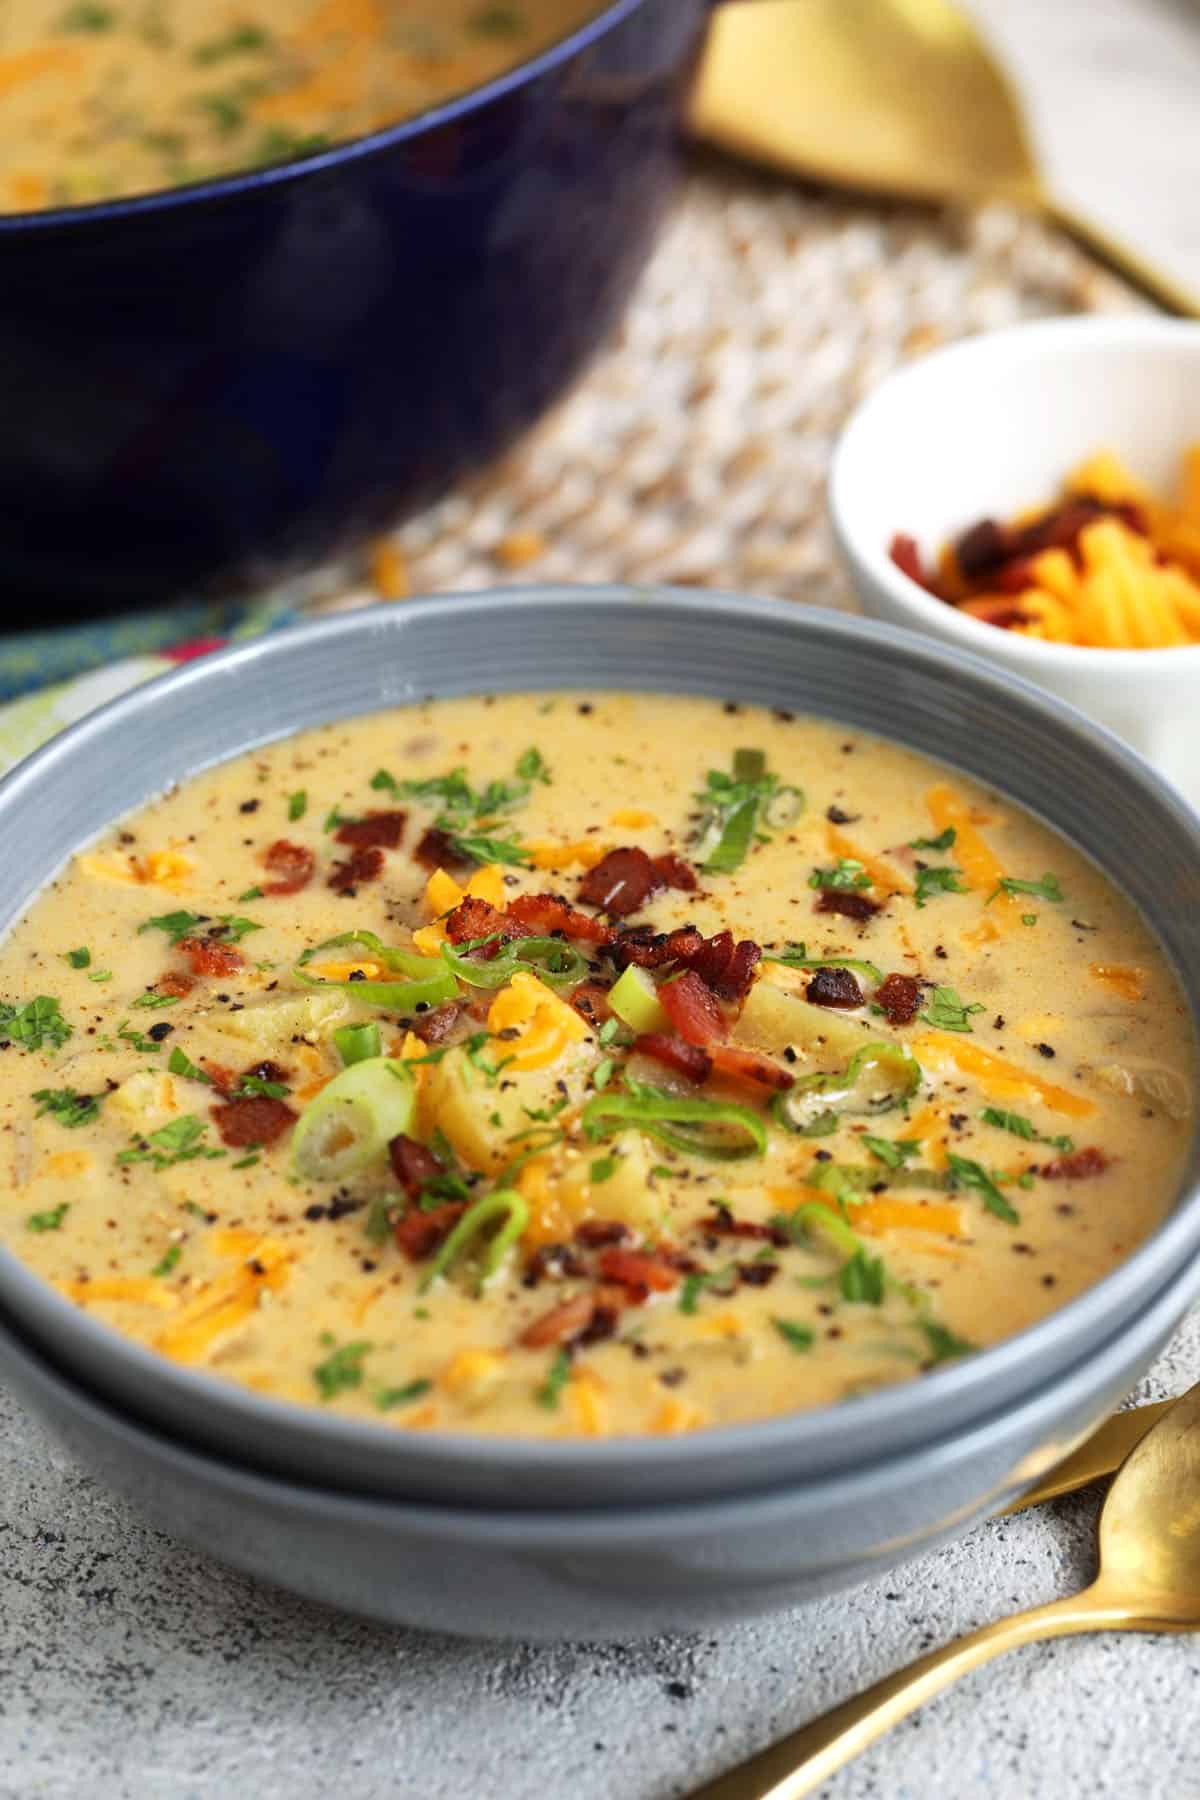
(1027, 341)
(565, 1527)
(1175, 1240)
(609, 14)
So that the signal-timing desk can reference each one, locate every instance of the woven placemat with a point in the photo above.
(696, 448)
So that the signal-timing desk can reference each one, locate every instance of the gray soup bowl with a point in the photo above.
(953, 707)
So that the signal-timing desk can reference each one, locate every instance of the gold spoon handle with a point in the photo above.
(800, 1762)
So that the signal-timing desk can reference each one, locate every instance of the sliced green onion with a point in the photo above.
(877, 1078)
(358, 1043)
(504, 1206)
(634, 999)
(556, 963)
(737, 834)
(428, 981)
(792, 960)
(707, 1123)
(353, 1119)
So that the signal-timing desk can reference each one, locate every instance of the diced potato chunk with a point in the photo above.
(626, 1194)
(270, 1025)
(772, 1020)
(146, 1099)
(483, 1117)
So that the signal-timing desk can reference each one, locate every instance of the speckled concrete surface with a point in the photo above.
(132, 1668)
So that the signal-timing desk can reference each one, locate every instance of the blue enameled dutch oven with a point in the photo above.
(205, 387)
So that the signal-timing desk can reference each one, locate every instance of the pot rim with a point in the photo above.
(1015, 1361)
(352, 150)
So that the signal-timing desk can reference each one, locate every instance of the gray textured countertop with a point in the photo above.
(131, 1667)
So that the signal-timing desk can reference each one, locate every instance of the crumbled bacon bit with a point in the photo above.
(758, 1274)
(413, 1164)
(900, 998)
(253, 1120)
(590, 1000)
(981, 549)
(291, 863)
(435, 1027)
(674, 872)
(833, 987)
(692, 1008)
(544, 914)
(653, 949)
(561, 1324)
(209, 957)
(723, 1224)
(438, 850)
(595, 1234)
(727, 967)
(223, 1079)
(636, 1270)
(906, 555)
(267, 1071)
(473, 919)
(850, 905)
(601, 1325)
(621, 882)
(674, 1053)
(175, 983)
(381, 829)
(420, 1234)
(750, 1066)
(1077, 1166)
(360, 866)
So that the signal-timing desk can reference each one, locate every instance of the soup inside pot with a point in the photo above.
(102, 98)
(583, 1064)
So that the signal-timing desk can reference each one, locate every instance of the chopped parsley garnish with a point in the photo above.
(602, 1074)
(947, 1012)
(737, 808)
(68, 1107)
(943, 1345)
(251, 893)
(937, 881)
(169, 1260)
(174, 1143)
(153, 1000)
(386, 1398)
(37, 1023)
(179, 1063)
(342, 1368)
(226, 110)
(49, 1221)
(893, 1152)
(177, 925)
(466, 814)
(1045, 889)
(137, 1039)
(87, 15)
(970, 1174)
(100, 975)
(694, 1284)
(863, 1279)
(532, 767)
(548, 1394)
(945, 840)
(236, 41)
(254, 1087)
(247, 1162)
(603, 1169)
(233, 928)
(1029, 918)
(1021, 1127)
(796, 1337)
(846, 873)
(297, 805)
(79, 959)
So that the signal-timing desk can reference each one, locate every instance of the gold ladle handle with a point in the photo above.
(799, 1763)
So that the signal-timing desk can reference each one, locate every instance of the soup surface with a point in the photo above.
(557, 1066)
(108, 97)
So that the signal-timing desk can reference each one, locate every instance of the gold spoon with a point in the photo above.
(1148, 1580)
(892, 96)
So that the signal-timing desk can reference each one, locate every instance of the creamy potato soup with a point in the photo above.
(108, 97)
(582, 1065)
